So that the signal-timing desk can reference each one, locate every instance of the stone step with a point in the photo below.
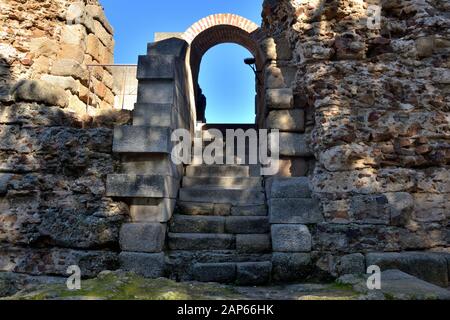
(201, 241)
(220, 225)
(197, 224)
(217, 209)
(247, 225)
(183, 258)
(217, 171)
(219, 195)
(246, 273)
(226, 182)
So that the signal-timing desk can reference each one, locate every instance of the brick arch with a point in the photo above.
(222, 19)
(218, 29)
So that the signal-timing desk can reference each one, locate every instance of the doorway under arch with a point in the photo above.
(220, 29)
(228, 85)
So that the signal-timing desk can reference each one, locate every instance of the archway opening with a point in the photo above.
(217, 30)
(228, 85)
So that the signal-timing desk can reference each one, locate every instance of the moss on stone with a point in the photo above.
(128, 286)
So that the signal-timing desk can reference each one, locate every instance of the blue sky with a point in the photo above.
(228, 84)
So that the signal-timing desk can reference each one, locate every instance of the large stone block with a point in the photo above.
(156, 92)
(287, 120)
(172, 46)
(197, 224)
(98, 13)
(247, 225)
(153, 115)
(143, 237)
(370, 209)
(198, 242)
(401, 207)
(429, 207)
(280, 98)
(253, 273)
(288, 267)
(260, 210)
(70, 68)
(149, 265)
(428, 266)
(283, 188)
(141, 186)
(41, 92)
(150, 164)
(152, 210)
(291, 238)
(156, 67)
(295, 211)
(351, 264)
(66, 83)
(291, 144)
(129, 139)
(253, 243)
(215, 272)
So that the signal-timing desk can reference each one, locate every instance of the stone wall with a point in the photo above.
(52, 42)
(377, 119)
(53, 158)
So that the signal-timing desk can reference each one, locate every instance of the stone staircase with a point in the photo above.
(220, 231)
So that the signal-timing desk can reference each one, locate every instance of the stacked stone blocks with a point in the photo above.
(149, 180)
(52, 52)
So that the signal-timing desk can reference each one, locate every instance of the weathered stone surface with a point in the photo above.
(149, 164)
(400, 285)
(130, 139)
(156, 67)
(217, 171)
(291, 144)
(156, 92)
(187, 241)
(55, 261)
(215, 272)
(280, 98)
(153, 115)
(247, 225)
(287, 120)
(431, 267)
(289, 267)
(291, 238)
(295, 211)
(11, 283)
(4, 181)
(430, 207)
(370, 209)
(236, 197)
(253, 243)
(143, 237)
(39, 91)
(66, 83)
(152, 210)
(253, 273)
(351, 264)
(249, 211)
(197, 224)
(70, 67)
(401, 206)
(137, 186)
(149, 265)
(283, 188)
